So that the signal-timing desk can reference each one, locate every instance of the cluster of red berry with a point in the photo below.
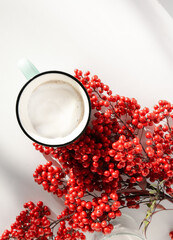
(32, 223)
(51, 178)
(122, 147)
(112, 165)
(67, 232)
(171, 235)
(84, 214)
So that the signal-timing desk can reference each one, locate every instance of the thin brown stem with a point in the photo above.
(168, 124)
(90, 194)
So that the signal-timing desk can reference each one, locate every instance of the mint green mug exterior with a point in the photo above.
(27, 68)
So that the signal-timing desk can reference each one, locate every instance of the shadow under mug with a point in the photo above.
(36, 79)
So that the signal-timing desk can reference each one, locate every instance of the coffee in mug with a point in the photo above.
(53, 108)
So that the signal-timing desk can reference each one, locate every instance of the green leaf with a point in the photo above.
(148, 214)
(149, 205)
(152, 192)
(161, 183)
(146, 222)
(154, 185)
(153, 205)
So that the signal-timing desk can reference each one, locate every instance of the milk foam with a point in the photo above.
(55, 109)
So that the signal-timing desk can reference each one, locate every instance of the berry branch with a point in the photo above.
(113, 165)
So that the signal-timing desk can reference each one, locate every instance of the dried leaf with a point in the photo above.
(133, 190)
(143, 184)
(160, 207)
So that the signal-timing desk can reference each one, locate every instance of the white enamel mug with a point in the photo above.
(37, 80)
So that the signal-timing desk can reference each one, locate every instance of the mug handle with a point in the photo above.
(27, 68)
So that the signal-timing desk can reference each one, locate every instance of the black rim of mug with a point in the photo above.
(17, 109)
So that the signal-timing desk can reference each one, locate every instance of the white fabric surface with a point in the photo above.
(128, 43)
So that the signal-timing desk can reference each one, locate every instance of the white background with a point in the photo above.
(128, 43)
